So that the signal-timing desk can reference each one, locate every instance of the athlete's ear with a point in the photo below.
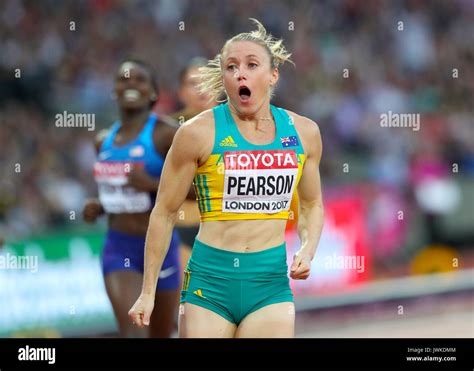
(275, 76)
(180, 94)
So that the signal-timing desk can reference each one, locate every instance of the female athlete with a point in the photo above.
(130, 160)
(246, 158)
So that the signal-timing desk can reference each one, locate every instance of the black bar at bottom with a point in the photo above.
(292, 354)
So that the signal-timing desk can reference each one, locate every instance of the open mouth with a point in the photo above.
(244, 93)
(131, 95)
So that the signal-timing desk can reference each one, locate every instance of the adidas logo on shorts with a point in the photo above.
(228, 142)
(199, 293)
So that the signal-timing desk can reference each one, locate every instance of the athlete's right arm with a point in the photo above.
(177, 176)
(92, 207)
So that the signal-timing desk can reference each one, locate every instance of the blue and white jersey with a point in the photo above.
(114, 164)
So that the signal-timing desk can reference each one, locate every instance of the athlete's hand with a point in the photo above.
(140, 180)
(141, 311)
(300, 269)
(92, 210)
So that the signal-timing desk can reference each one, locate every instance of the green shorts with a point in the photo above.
(234, 284)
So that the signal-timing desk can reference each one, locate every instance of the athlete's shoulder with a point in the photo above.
(164, 132)
(203, 120)
(304, 124)
(309, 133)
(100, 137)
(196, 133)
(198, 127)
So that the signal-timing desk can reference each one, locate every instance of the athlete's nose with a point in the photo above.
(240, 75)
(131, 82)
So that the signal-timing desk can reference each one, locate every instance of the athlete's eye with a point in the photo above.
(231, 67)
(141, 78)
(252, 65)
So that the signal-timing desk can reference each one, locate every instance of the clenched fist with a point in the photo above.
(301, 267)
(92, 210)
(141, 311)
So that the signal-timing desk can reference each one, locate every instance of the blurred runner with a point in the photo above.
(129, 163)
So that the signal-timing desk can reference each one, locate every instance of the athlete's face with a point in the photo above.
(189, 93)
(247, 75)
(133, 87)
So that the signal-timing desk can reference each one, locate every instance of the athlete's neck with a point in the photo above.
(261, 116)
(131, 120)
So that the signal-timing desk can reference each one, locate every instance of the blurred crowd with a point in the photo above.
(354, 60)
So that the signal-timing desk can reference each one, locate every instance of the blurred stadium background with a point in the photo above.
(398, 201)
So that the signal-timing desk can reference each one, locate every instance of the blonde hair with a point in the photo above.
(211, 74)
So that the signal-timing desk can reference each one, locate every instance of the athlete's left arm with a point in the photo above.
(173, 127)
(311, 214)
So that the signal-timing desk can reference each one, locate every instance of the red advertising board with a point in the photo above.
(343, 256)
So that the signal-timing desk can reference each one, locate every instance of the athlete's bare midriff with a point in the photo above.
(133, 224)
(243, 235)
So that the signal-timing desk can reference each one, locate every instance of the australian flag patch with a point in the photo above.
(289, 141)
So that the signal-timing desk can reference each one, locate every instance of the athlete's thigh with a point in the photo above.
(274, 320)
(198, 322)
(123, 289)
(163, 318)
